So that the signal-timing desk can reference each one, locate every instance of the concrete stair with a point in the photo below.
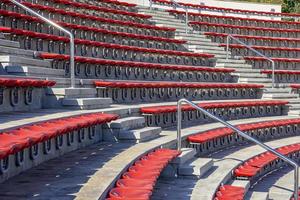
(195, 167)
(131, 129)
(76, 98)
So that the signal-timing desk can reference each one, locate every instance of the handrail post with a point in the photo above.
(227, 47)
(186, 20)
(72, 44)
(150, 4)
(273, 73)
(179, 115)
(242, 134)
(230, 37)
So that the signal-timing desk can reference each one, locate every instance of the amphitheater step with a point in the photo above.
(87, 103)
(196, 167)
(231, 61)
(187, 154)
(279, 96)
(73, 92)
(191, 36)
(252, 195)
(34, 71)
(4, 50)
(255, 80)
(128, 123)
(234, 65)
(140, 135)
(17, 60)
(200, 42)
(9, 43)
(206, 48)
(283, 188)
(250, 75)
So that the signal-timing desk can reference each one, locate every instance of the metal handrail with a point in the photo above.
(72, 44)
(175, 4)
(239, 132)
(255, 51)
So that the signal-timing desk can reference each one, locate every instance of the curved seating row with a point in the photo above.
(27, 146)
(222, 137)
(243, 21)
(122, 3)
(13, 141)
(21, 82)
(229, 10)
(166, 116)
(281, 63)
(104, 45)
(172, 109)
(93, 18)
(256, 40)
(101, 9)
(284, 76)
(270, 51)
(139, 84)
(229, 192)
(89, 29)
(153, 91)
(111, 69)
(246, 30)
(265, 162)
(138, 182)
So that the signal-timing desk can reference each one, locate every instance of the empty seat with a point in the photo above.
(229, 192)
(22, 82)
(138, 182)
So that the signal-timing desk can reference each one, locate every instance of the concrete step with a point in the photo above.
(295, 101)
(205, 48)
(241, 183)
(12, 60)
(9, 43)
(279, 96)
(191, 36)
(278, 90)
(255, 80)
(140, 135)
(250, 75)
(186, 154)
(234, 65)
(34, 71)
(167, 20)
(294, 107)
(249, 71)
(73, 92)
(128, 123)
(234, 61)
(195, 167)
(253, 195)
(202, 42)
(4, 50)
(87, 103)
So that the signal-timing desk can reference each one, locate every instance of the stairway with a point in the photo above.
(198, 42)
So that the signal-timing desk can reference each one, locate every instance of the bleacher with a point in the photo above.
(114, 134)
